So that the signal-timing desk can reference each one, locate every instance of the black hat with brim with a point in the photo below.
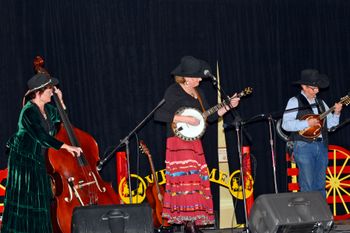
(191, 67)
(39, 81)
(312, 77)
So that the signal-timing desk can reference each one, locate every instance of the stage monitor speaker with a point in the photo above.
(302, 212)
(134, 218)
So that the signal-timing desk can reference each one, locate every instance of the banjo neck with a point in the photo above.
(225, 102)
(215, 108)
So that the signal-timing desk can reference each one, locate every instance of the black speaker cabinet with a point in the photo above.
(302, 212)
(134, 218)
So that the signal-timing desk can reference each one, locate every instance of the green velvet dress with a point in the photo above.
(28, 189)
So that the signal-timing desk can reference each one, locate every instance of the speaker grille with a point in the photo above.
(290, 212)
(134, 218)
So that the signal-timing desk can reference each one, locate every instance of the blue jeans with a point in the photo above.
(312, 161)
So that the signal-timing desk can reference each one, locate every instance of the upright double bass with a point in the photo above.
(75, 180)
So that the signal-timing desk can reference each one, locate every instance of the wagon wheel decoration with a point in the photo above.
(338, 182)
(3, 177)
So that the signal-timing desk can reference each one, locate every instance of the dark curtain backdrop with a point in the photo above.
(113, 59)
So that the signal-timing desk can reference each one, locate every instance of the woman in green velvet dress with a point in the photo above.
(28, 189)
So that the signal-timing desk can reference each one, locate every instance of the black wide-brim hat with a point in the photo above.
(191, 67)
(39, 81)
(312, 77)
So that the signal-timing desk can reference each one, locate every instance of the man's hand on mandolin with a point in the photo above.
(337, 108)
(312, 122)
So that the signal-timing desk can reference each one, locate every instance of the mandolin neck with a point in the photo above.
(324, 115)
(344, 100)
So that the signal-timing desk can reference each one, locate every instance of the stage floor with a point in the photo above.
(339, 227)
(336, 229)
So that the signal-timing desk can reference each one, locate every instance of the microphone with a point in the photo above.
(255, 118)
(251, 120)
(100, 165)
(334, 128)
(210, 75)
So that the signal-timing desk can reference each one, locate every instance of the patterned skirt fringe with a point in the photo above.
(187, 196)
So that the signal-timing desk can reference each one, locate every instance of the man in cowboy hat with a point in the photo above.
(308, 132)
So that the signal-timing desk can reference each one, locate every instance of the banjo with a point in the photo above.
(189, 132)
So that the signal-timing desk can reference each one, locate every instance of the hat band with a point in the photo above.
(41, 86)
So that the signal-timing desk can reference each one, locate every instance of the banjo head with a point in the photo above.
(186, 131)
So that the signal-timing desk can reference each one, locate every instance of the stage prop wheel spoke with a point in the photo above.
(338, 182)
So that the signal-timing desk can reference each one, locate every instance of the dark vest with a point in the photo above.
(302, 102)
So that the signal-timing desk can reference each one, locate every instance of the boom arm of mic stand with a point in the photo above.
(103, 161)
(334, 128)
(126, 139)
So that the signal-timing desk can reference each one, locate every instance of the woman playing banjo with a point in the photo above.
(187, 199)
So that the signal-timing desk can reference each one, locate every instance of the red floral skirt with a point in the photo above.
(187, 196)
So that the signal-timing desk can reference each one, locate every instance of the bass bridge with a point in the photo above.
(83, 188)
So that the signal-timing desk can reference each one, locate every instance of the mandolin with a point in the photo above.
(315, 131)
(154, 193)
(189, 132)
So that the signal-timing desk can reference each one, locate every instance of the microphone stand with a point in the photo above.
(271, 139)
(238, 124)
(273, 158)
(125, 142)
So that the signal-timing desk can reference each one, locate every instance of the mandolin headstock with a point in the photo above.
(345, 100)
